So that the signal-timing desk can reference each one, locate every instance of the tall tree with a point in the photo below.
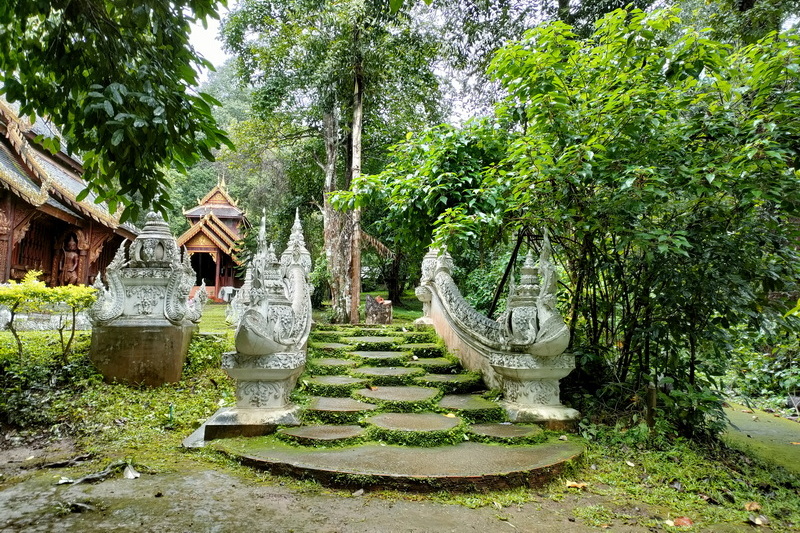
(667, 169)
(115, 78)
(329, 68)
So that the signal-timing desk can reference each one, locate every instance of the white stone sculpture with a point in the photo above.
(522, 352)
(271, 336)
(143, 319)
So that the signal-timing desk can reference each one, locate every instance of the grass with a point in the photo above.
(41, 398)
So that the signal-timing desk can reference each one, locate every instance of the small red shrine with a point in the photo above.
(216, 225)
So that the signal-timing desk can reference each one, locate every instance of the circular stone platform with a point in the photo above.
(506, 432)
(417, 422)
(334, 362)
(380, 357)
(465, 466)
(339, 405)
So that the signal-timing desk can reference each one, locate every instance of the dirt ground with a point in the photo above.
(195, 498)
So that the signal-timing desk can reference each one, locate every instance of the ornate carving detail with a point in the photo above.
(536, 392)
(262, 394)
(277, 361)
(146, 298)
(110, 301)
(152, 259)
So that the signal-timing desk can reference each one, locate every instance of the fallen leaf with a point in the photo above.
(683, 521)
(670, 523)
(629, 463)
(359, 492)
(752, 506)
(749, 411)
(31, 458)
(562, 437)
(372, 388)
(576, 485)
(795, 443)
(677, 485)
(497, 505)
(450, 415)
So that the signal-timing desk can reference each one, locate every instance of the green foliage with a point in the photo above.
(319, 280)
(205, 352)
(665, 168)
(115, 79)
(33, 296)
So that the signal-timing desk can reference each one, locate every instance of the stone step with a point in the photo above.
(507, 433)
(463, 467)
(326, 366)
(375, 342)
(336, 410)
(387, 375)
(400, 399)
(473, 408)
(436, 365)
(323, 434)
(462, 383)
(335, 386)
(385, 358)
(423, 349)
(328, 346)
(415, 429)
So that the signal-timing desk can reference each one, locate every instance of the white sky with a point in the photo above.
(206, 41)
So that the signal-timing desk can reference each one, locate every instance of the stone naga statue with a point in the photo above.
(271, 337)
(522, 351)
(143, 319)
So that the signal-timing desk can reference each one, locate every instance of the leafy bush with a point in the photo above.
(205, 352)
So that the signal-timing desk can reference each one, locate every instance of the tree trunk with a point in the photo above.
(334, 223)
(355, 173)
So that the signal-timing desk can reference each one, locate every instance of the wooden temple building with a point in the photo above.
(216, 226)
(42, 224)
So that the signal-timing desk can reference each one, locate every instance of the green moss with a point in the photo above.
(336, 390)
(425, 439)
(424, 350)
(437, 365)
(333, 417)
(401, 406)
(406, 379)
(478, 416)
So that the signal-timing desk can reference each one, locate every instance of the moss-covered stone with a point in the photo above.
(335, 386)
(387, 375)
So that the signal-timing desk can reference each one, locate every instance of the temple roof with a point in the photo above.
(218, 202)
(40, 178)
(215, 231)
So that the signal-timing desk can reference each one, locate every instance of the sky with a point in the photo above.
(206, 42)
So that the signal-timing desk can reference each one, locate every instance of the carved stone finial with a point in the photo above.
(296, 252)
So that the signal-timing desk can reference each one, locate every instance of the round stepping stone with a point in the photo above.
(440, 365)
(422, 349)
(400, 394)
(386, 375)
(340, 405)
(416, 429)
(322, 434)
(414, 421)
(508, 433)
(337, 386)
(473, 407)
(452, 383)
(377, 339)
(328, 346)
(336, 410)
(331, 365)
(384, 358)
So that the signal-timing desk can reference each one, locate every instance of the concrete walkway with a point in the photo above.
(774, 439)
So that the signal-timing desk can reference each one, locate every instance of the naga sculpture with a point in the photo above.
(271, 336)
(143, 318)
(522, 352)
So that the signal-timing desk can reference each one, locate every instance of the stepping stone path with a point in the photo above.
(388, 407)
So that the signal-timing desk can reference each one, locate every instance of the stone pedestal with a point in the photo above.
(143, 319)
(378, 310)
(146, 355)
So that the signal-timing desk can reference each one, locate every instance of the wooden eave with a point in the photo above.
(210, 229)
(224, 227)
(33, 162)
(218, 189)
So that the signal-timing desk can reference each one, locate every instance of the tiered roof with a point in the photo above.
(215, 221)
(49, 182)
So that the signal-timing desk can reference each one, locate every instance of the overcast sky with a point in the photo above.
(205, 41)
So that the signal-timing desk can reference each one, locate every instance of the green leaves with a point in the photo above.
(116, 82)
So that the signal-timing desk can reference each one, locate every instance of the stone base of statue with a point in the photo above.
(230, 422)
(378, 310)
(264, 384)
(141, 354)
